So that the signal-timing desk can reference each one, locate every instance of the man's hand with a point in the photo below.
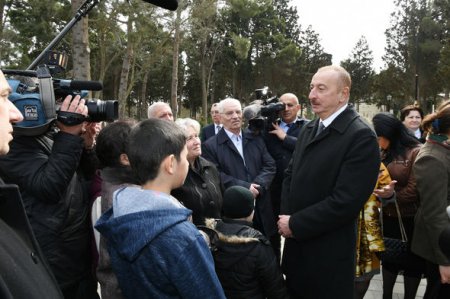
(89, 133)
(386, 191)
(254, 189)
(283, 226)
(278, 131)
(75, 106)
(445, 274)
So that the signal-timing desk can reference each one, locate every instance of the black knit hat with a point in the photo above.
(387, 125)
(238, 202)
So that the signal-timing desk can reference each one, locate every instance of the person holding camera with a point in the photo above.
(243, 160)
(280, 142)
(54, 189)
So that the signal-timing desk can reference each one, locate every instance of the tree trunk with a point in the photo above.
(80, 46)
(176, 47)
(2, 13)
(204, 90)
(123, 85)
(142, 112)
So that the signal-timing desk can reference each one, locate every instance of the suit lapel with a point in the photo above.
(223, 138)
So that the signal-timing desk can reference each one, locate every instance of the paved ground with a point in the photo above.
(376, 288)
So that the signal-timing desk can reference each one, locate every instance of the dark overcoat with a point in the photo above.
(259, 168)
(207, 132)
(201, 192)
(329, 179)
(24, 272)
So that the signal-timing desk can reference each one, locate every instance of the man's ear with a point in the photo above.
(169, 164)
(345, 93)
(123, 158)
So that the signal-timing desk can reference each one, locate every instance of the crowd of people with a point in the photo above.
(163, 208)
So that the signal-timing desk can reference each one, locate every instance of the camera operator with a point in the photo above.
(280, 143)
(54, 191)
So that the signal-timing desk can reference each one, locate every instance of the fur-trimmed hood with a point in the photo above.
(226, 237)
(237, 240)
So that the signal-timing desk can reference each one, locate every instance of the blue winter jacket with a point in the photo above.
(156, 252)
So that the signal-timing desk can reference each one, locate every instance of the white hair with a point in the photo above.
(185, 123)
(227, 101)
(154, 107)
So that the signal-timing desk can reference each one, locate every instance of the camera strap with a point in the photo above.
(46, 91)
(70, 118)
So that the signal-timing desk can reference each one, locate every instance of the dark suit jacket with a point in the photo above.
(328, 180)
(207, 132)
(259, 168)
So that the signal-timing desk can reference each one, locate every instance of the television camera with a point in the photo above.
(264, 111)
(37, 94)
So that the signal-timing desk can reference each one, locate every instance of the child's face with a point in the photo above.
(182, 167)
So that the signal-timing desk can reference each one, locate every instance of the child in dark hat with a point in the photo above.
(244, 260)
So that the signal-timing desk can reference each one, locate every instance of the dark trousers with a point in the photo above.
(435, 289)
(84, 289)
(275, 196)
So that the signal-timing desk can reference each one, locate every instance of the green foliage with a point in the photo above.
(249, 8)
(241, 46)
(359, 67)
(31, 25)
(230, 48)
(415, 41)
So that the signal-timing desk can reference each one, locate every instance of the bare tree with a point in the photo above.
(176, 47)
(80, 46)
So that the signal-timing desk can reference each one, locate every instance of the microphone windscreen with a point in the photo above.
(251, 111)
(167, 4)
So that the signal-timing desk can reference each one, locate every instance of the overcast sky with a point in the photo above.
(340, 24)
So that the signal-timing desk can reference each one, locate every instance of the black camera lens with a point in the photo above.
(99, 110)
(272, 109)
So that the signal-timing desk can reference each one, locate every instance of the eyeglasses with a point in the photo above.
(215, 112)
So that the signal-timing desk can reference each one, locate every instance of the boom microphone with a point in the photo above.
(78, 84)
(167, 4)
(251, 111)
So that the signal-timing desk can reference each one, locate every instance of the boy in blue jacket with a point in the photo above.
(156, 252)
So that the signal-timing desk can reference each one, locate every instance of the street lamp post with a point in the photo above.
(389, 99)
(416, 83)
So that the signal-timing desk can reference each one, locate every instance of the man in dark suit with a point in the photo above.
(332, 173)
(243, 160)
(280, 142)
(214, 128)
